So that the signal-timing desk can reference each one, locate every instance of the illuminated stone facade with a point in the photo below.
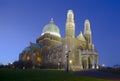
(50, 48)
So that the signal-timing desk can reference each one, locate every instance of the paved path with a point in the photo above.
(99, 74)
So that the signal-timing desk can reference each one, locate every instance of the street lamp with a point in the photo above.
(67, 56)
(70, 61)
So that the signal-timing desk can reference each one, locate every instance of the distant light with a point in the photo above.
(23, 67)
(103, 65)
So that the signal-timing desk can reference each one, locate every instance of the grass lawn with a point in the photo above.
(41, 75)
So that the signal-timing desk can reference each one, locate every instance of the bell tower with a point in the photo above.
(70, 37)
(70, 25)
(88, 35)
(87, 31)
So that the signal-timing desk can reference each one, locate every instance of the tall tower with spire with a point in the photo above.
(70, 36)
(87, 31)
(88, 35)
(70, 25)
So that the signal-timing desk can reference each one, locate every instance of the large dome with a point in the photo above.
(51, 28)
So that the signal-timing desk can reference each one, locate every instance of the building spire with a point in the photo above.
(70, 25)
(87, 29)
(70, 16)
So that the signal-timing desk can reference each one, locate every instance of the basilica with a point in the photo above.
(53, 51)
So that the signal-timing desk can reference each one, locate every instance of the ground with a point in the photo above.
(48, 75)
(100, 74)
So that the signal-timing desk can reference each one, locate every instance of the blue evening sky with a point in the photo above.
(22, 21)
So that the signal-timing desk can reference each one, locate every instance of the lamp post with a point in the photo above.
(67, 56)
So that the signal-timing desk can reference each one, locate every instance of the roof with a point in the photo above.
(81, 37)
(51, 28)
(27, 49)
(35, 45)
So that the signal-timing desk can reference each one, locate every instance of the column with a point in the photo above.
(87, 62)
(80, 59)
(97, 67)
(93, 60)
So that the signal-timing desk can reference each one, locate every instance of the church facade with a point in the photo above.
(54, 51)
